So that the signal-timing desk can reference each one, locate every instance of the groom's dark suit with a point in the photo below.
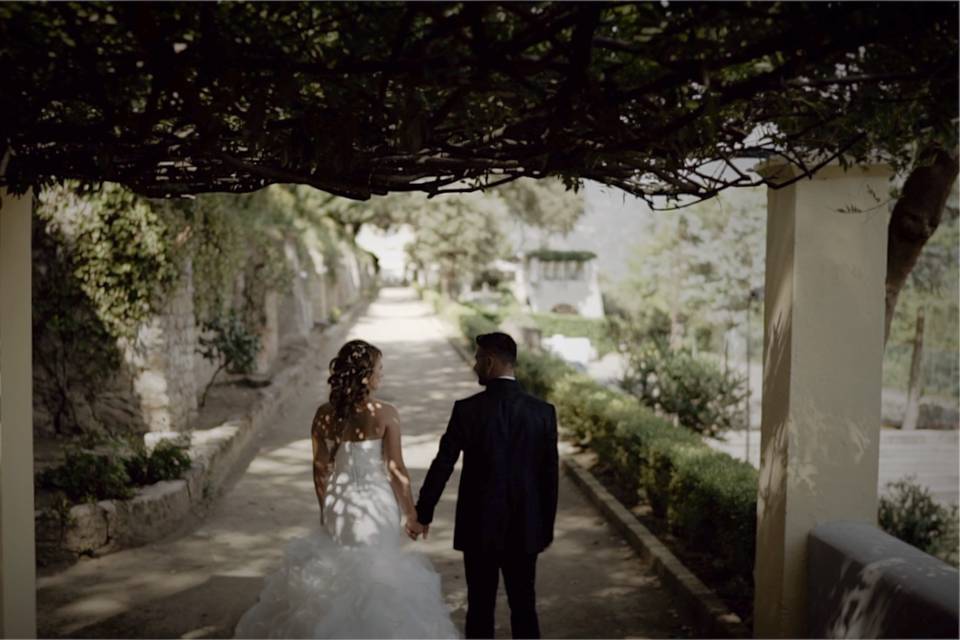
(507, 502)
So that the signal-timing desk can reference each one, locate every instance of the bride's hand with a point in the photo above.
(413, 528)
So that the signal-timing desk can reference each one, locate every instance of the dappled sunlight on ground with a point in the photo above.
(198, 582)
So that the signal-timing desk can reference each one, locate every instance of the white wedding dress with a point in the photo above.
(350, 578)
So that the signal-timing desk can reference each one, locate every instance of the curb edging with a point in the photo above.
(711, 616)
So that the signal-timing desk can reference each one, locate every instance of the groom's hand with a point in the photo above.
(414, 528)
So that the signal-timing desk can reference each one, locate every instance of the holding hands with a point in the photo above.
(414, 529)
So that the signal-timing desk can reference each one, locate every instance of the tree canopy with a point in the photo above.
(359, 99)
(698, 266)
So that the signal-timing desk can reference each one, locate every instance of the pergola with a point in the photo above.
(669, 102)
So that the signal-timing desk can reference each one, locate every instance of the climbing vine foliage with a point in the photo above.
(365, 98)
(119, 250)
(107, 260)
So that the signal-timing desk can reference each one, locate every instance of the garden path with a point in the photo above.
(198, 583)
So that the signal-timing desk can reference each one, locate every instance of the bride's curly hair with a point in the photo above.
(350, 374)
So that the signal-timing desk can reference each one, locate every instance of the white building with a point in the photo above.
(560, 282)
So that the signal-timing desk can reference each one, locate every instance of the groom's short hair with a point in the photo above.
(500, 345)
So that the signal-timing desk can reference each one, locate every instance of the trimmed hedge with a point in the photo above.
(707, 497)
(470, 321)
(596, 329)
(473, 325)
(540, 372)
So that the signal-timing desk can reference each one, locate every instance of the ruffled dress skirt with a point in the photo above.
(351, 578)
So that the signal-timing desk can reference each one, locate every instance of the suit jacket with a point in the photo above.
(507, 499)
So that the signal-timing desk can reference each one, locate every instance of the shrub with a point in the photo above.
(908, 512)
(231, 345)
(702, 397)
(540, 372)
(575, 397)
(705, 496)
(168, 461)
(494, 314)
(446, 308)
(713, 503)
(596, 329)
(474, 324)
(472, 320)
(86, 476)
(947, 545)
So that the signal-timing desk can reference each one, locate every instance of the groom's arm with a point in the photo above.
(550, 475)
(451, 443)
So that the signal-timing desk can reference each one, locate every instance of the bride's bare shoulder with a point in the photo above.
(384, 411)
(322, 419)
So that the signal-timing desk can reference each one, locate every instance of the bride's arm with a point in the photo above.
(321, 459)
(393, 454)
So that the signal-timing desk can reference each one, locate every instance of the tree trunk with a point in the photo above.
(915, 217)
(677, 329)
(726, 350)
(915, 386)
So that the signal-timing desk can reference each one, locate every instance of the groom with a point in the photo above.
(507, 500)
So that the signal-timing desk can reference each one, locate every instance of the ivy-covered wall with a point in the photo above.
(125, 290)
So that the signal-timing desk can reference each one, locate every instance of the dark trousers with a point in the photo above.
(483, 575)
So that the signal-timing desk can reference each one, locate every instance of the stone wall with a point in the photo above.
(269, 333)
(295, 308)
(316, 286)
(155, 388)
(162, 359)
(96, 529)
(162, 373)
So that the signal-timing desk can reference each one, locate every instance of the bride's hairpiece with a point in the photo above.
(350, 374)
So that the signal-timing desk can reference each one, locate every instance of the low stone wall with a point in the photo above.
(864, 583)
(160, 509)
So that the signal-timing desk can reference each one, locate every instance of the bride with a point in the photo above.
(350, 578)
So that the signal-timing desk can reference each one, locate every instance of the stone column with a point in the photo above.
(269, 333)
(822, 353)
(296, 308)
(18, 606)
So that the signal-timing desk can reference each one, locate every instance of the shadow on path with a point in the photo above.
(199, 583)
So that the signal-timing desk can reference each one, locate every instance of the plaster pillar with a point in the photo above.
(822, 355)
(18, 605)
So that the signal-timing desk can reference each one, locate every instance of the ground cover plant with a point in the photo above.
(88, 475)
